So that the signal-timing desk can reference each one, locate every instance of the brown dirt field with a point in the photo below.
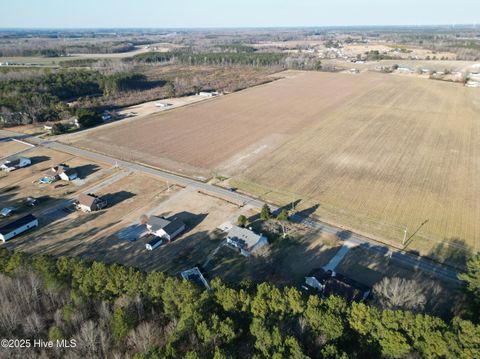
(198, 138)
(400, 154)
(374, 153)
(9, 148)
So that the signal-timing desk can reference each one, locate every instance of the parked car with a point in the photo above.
(30, 201)
(7, 211)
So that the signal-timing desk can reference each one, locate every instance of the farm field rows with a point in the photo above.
(374, 153)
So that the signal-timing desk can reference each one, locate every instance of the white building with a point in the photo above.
(154, 243)
(245, 240)
(68, 175)
(209, 93)
(12, 229)
(163, 104)
(164, 228)
(15, 163)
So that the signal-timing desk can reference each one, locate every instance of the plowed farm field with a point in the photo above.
(375, 153)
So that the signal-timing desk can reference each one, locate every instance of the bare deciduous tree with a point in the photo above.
(399, 293)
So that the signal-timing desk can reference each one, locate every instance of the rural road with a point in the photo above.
(407, 259)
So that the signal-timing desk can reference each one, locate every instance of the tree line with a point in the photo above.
(43, 98)
(214, 58)
(113, 310)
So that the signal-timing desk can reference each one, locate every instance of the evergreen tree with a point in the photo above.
(266, 213)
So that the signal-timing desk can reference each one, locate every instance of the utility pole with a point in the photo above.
(404, 236)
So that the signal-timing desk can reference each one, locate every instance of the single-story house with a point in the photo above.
(14, 228)
(90, 202)
(154, 243)
(15, 163)
(245, 240)
(165, 228)
(62, 171)
(331, 283)
(195, 275)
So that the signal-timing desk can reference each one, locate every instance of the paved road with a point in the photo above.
(407, 259)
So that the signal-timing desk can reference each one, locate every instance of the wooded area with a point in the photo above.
(112, 310)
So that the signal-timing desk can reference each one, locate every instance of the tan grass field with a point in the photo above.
(376, 153)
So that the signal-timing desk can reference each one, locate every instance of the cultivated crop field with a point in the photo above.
(372, 152)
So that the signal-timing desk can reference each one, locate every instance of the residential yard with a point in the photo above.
(367, 267)
(10, 147)
(18, 185)
(113, 234)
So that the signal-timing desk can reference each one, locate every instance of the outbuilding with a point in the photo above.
(154, 243)
(18, 226)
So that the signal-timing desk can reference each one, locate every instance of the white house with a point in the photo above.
(15, 163)
(245, 240)
(68, 175)
(164, 228)
(12, 229)
(63, 172)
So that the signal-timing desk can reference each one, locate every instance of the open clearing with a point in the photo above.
(375, 153)
(9, 148)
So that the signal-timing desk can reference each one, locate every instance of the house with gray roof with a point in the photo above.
(245, 240)
(165, 228)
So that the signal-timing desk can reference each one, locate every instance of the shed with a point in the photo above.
(154, 243)
(14, 228)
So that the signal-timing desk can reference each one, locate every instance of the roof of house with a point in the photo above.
(338, 284)
(11, 226)
(57, 170)
(12, 162)
(86, 199)
(69, 171)
(157, 222)
(244, 236)
(173, 226)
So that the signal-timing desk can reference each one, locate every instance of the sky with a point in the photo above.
(229, 13)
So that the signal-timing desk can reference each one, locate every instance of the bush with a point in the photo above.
(88, 118)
